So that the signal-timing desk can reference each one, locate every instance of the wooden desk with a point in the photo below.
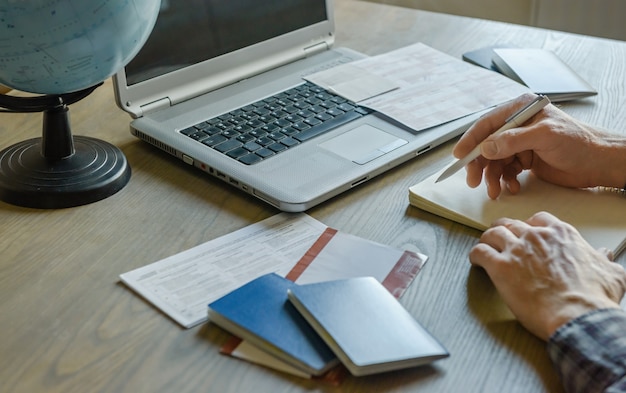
(67, 325)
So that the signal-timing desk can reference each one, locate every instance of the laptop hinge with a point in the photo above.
(314, 49)
(155, 106)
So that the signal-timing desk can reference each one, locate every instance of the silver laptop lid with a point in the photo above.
(200, 45)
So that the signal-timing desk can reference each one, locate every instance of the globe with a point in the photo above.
(59, 51)
(60, 46)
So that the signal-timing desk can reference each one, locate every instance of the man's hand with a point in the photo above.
(554, 146)
(546, 272)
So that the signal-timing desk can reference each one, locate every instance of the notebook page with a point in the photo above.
(599, 215)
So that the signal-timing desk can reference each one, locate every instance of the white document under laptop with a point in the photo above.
(204, 89)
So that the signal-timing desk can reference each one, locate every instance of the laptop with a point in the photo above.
(212, 64)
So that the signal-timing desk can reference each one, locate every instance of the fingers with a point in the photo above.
(514, 141)
(494, 242)
(493, 150)
(474, 173)
(519, 227)
(544, 219)
(516, 227)
(488, 124)
(607, 253)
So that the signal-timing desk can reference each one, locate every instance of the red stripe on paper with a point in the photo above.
(311, 254)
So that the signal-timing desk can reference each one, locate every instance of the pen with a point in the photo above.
(515, 120)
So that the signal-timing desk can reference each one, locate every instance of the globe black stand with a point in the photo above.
(58, 170)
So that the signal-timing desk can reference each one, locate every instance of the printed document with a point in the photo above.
(184, 284)
(419, 86)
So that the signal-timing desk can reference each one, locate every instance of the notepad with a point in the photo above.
(599, 215)
(366, 327)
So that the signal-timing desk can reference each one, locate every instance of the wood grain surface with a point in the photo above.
(68, 325)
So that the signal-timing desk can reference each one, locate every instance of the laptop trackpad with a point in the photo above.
(363, 144)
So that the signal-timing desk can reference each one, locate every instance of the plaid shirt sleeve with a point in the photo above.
(589, 352)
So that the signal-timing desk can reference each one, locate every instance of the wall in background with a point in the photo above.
(514, 11)
(602, 18)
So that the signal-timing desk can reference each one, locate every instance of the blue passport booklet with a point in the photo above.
(366, 327)
(260, 313)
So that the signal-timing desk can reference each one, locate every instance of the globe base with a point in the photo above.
(95, 170)
(58, 170)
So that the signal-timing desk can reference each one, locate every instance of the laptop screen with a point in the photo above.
(188, 32)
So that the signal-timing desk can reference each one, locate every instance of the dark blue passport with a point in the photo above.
(260, 313)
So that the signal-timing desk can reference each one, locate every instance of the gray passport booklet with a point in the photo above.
(365, 326)
(543, 72)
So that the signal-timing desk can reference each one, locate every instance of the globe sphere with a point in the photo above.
(63, 46)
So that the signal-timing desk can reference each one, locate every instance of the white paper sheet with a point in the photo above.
(184, 284)
(425, 87)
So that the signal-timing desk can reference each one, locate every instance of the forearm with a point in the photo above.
(590, 352)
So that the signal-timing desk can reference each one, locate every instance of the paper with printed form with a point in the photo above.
(183, 284)
(425, 87)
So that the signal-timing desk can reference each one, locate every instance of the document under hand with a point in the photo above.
(419, 86)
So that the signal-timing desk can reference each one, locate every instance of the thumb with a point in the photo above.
(607, 253)
(490, 149)
(507, 144)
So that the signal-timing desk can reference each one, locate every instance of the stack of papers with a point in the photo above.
(419, 86)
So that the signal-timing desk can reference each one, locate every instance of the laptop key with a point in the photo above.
(290, 131)
(264, 152)
(264, 141)
(199, 135)
(252, 146)
(228, 145)
(230, 134)
(245, 138)
(276, 135)
(237, 152)
(313, 121)
(335, 112)
(258, 133)
(289, 141)
(189, 130)
(277, 147)
(324, 116)
(346, 107)
(214, 140)
(250, 159)
(301, 126)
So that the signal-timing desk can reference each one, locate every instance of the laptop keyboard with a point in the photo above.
(272, 125)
